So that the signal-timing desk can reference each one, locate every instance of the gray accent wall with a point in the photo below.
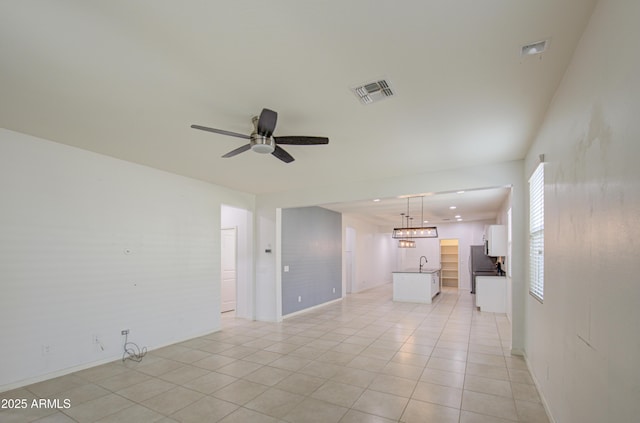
(312, 250)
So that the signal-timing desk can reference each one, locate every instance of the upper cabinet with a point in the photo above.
(495, 240)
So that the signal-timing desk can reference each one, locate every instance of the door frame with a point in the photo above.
(350, 258)
(457, 264)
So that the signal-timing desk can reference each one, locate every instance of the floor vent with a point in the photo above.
(373, 91)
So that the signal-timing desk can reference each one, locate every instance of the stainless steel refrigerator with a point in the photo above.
(480, 265)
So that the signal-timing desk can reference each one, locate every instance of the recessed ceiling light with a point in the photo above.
(460, 192)
(534, 48)
(452, 207)
(376, 200)
(459, 219)
(457, 216)
(425, 221)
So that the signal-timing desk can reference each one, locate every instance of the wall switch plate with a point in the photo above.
(286, 268)
(334, 290)
(299, 298)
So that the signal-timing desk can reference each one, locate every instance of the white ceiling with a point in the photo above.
(127, 79)
(428, 208)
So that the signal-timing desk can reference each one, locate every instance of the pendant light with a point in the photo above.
(405, 242)
(408, 233)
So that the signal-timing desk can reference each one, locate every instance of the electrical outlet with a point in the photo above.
(124, 332)
(96, 339)
(46, 349)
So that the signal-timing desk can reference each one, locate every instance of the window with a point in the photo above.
(536, 233)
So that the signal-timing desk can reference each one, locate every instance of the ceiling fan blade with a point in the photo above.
(221, 131)
(301, 140)
(237, 151)
(282, 155)
(267, 122)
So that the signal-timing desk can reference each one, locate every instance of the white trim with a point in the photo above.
(295, 313)
(278, 250)
(536, 233)
(73, 369)
(543, 400)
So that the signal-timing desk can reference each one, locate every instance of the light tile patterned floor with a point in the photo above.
(364, 359)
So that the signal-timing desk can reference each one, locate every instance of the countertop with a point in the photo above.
(424, 270)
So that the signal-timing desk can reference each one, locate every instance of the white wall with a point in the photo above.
(408, 259)
(242, 220)
(583, 342)
(91, 245)
(268, 288)
(374, 256)
(503, 219)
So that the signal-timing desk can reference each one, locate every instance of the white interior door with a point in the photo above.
(228, 269)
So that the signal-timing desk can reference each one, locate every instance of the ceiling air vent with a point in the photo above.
(373, 91)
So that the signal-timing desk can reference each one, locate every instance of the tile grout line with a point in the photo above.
(466, 363)
(400, 334)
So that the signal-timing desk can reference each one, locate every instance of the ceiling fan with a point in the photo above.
(262, 140)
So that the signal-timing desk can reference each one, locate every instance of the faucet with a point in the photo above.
(425, 262)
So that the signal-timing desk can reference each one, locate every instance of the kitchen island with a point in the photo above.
(416, 286)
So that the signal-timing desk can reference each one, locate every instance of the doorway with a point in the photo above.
(228, 272)
(349, 258)
(449, 262)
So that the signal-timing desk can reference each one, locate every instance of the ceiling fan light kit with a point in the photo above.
(263, 146)
(260, 143)
(262, 140)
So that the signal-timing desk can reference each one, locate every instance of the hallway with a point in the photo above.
(362, 359)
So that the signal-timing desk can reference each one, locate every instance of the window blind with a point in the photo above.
(536, 233)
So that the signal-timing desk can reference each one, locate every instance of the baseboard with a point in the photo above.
(518, 352)
(57, 373)
(315, 307)
(369, 288)
(84, 366)
(545, 404)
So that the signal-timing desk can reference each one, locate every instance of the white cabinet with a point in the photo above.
(496, 240)
(491, 293)
(415, 287)
(435, 284)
